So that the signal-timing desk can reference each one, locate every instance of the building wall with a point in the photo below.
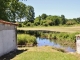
(7, 38)
(78, 44)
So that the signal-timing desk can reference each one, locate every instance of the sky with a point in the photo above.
(69, 8)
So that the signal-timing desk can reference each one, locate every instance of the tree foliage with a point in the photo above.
(63, 19)
(12, 10)
(51, 20)
(3, 7)
(43, 16)
(30, 13)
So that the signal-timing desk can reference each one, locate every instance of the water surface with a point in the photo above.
(44, 42)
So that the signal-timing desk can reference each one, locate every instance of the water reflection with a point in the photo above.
(43, 42)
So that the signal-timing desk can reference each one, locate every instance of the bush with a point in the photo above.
(45, 24)
(24, 39)
(70, 22)
(28, 24)
(20, 25)
(21, 39)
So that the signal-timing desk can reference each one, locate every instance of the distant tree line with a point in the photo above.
(50, 20)
(16, 11)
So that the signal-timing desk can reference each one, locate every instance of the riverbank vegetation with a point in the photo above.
(65, 39)
(51, 34)
(26, 39)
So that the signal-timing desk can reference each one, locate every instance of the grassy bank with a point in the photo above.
(51, 34)
(42, 53)
(45, 56)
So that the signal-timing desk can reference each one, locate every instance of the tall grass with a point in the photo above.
(24, 39)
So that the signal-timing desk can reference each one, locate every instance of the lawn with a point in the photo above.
(40, 53)
(44, 56)
(70, 29)
(44, 53)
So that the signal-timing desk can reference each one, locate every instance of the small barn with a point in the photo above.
(8, 37)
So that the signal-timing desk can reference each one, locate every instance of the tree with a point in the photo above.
(70, 22)
(8, 9)
(56, 21)
(63, 20)
(12, 10)
(3, 7)
(39, 17)
(43, 16)
(49, 17)
(21, 11)
(78, 20)
(30, 13)
(37, 20)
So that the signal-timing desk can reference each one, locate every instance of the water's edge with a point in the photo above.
(47, 42)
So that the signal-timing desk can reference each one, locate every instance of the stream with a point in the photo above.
(47, 42)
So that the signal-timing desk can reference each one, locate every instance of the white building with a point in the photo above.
(8, 37)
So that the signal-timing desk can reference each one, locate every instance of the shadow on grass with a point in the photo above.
(61, 50)
(12, 54)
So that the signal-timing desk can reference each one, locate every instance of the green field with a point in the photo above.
(71, 29)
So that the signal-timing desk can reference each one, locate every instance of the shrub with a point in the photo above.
(21, 39)
(28, 24)
(20, 25)
(70, 22)
(24, 39)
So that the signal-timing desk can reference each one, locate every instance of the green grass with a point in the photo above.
(45, 56)
(40, 53)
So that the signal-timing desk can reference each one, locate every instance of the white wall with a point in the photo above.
(7, 41)
(1, 44)
(78, 44)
